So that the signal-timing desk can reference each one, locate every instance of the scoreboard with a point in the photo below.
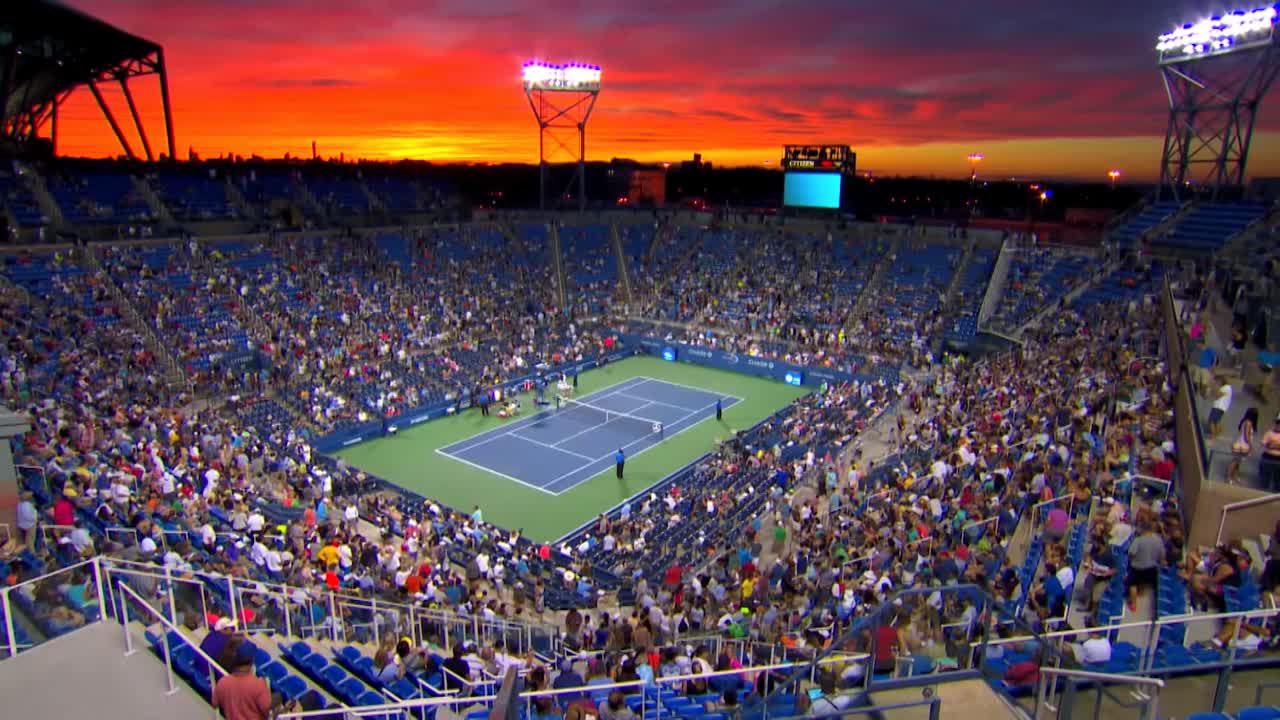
(823, 158)
(814, 175)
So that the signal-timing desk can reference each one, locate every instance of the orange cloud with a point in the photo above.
(913, 91)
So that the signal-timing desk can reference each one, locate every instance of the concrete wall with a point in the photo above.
(1241, 523)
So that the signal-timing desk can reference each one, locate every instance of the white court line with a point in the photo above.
(521, 423)
(549, 446)
(701, 391)
(656, 402)
(638, 440)
(478, 466)
(597, 427)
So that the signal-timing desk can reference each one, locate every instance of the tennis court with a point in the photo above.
(554, 450)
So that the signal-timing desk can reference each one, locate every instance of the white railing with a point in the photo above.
(1147, 634)
(1048, 680)
(1036, 511)
(527, 698)
(214, 669)
(6, 597)
(1241, 505)
(312, 613)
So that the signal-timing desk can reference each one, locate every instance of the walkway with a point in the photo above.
(86, 675)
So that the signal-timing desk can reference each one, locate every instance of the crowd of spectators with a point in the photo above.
(786, 534)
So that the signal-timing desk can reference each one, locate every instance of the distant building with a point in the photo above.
(647, 187)
(636, 185)
(696, 163)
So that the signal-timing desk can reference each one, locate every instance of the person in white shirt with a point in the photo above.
(81, 540)
(255, 522)
(1095, 650)
(1221, 405)
(1066, 576)
(274, 562)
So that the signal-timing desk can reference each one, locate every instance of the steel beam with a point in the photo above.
(111, 119)
(137, 121)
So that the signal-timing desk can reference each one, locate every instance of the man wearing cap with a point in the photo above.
(215, 642)
(241, 695)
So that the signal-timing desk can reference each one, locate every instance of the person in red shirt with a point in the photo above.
(673, 575)
(886, 647)
(1026, 672)
(1162, 467)
(64, 509)
(241, 695)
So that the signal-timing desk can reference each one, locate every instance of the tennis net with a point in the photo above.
(605, 416)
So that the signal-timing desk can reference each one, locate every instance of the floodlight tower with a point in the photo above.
(1215, 73)
(974, 159)
(562, 98)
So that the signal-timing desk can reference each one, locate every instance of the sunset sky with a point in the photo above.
(1057, 89)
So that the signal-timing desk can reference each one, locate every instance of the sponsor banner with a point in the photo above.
(375, 429)
(724, 360)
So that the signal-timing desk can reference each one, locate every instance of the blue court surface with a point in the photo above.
(553, 450)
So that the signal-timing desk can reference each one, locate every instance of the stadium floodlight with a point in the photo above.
(562, 97)
(974, 159)
(1220, 33)
(1216, 72)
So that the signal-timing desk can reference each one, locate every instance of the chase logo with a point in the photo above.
(753, 362)
(700, 353)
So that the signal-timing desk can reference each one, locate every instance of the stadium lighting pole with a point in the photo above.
(974, 159)
(1215, 73)
(562, 98)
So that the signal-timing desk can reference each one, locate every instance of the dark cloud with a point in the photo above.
(324, 82)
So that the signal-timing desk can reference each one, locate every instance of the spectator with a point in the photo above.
(241, 695)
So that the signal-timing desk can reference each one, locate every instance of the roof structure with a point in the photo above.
(47, 50)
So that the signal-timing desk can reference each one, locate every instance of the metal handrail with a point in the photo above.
(528, 696)
(1044, 687)
(1240, 505)
(211, 664)
(1088, 675)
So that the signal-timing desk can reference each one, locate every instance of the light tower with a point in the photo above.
(562, 98)
(974, 159)
(1215, 73)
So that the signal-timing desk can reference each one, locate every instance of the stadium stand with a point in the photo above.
(1037, 279)
(20, 202)
(99, 198)
(1128, 234)
(1004, 500)
(1206, 228)
(969, 292)
(194, 197)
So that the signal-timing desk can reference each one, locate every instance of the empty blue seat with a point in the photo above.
(315, 664)
(290, 687)
(1259, 712)
(273, 672)
(298, 650)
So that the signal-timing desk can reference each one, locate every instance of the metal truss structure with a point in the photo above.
(51, 51)
(1216, 74)
(562, 108)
